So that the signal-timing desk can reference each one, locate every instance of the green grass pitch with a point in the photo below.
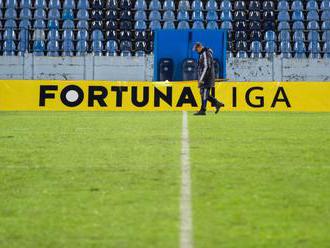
(105, 179)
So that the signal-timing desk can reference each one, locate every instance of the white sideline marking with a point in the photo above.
(186, 240)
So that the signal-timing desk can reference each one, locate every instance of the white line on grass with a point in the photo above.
(186, 240)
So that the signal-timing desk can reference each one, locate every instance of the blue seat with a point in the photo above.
(11, 4)
(270, 25)
(69, 4)
(312, 5)
(298, 25)
(111, 48)
(299, 49)
(299, 35)
(39, 14)
(168, 25)
(141, 46)
(9, 48)
(54, 14)
(140, 5)
(225, 5)
(239, 5)
(155, 15)
(242, 54)
(10, 23)
(25, 14)
(67, 34)
(83, 24)
(297, 15)
(314, 49)
(39, 24)
(82, 14)
(82, 34)
(67, 48)
(10, 14)
(270, 49)
(39, 4)
(268, 5)
(68, 24)
(212, 25)
(297, 5)
(255, 16)
(313, 35)
(53, 48)
(227, 25)
(197, 15)
(25, 4)
(168, 15)
(226, 15)
(54, 4)
(25, 24)
(155, 5)
(22, 47)
(284, 35)
(312, 15)
(283, 16)
(285, 47)
(39, 34)
(198, 25)
(83, 4)
(39, 48)
(326, 36)
(53, 24)
(155, 25)
(140, 15)
(9, 34)
(326, 25)
(255, 35)
(23, 35)
(111, 5)
(283, 5)
(169, 5)
(240, 36)
(211, 5)
(125, 53)
(183, 15)
(67, 14)
(82, 47)
(254, 5)
(255, 26)
(97, 48)
(256, 49)
(197, 5)
(140, 53)
(313, 25)
(325, 15)
(270, 36)
(126, 46)
(325, 5)
(326, 50)
(183, 25)
(184, 5)
(140, 25)
(211, 15)
(53, 35)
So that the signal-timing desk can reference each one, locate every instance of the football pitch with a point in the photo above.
(114, 179)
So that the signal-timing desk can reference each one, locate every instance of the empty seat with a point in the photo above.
(270, 36)
(184, 5)
(169, 5)
(53, 48)
(226, 5)
(54, 14)
(168, 25)
(67, 34)
(298, 25)
(256, 49)
(9, 34)
(299, 49)
(97, 35)
(312, 15)
(39, 24)
(284, 35)
(140, 25)
(68, 24)
(10, 23)
(155, 15)
(283, 5)
(166, 69)
(183, 25)
(197, 5)
(283, 16)
(198, 25)
(313, 25)
(140, 5)
(53, 24)
(270, 49)
(83, 24)
(111, 48)
(211, 5)
(39, 4)
(22, 47)
(297, 5)
(39, 14)
(326, 50)
(39, 48)
(53, 34)
(25, 4)
(211, 15)
(9, 48)
(326, 25)
(312, 5)
(54, 4)
(285, 49)
(197, 15)
(325, 16)
(97, 48)
(25, 14)
(183, 15)
(82, 47)
(189, 70)
(313, 35)
(67, 48)
(155, 25)
(25, 24)
(155, 5)
(299, 35)
(168, 15)
(325, 5)
(69, 4)
(326, 36)
(297, 15)
(82, 14)
(10, 14)
(314, 49)
(140, 15)
(212, 25)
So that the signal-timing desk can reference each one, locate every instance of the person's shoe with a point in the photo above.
(218, 106)
(200, 113)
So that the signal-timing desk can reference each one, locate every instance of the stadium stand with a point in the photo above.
(256, 29)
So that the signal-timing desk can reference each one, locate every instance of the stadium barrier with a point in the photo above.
(161, 96)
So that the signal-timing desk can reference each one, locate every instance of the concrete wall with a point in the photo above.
(141, 68)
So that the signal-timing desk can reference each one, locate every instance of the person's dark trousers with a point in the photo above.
(206, 96)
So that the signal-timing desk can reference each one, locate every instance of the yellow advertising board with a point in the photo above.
(43, 95)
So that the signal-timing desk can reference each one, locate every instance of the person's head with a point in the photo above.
(198, 47)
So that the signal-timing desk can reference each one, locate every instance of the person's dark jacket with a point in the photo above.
(206, 74)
